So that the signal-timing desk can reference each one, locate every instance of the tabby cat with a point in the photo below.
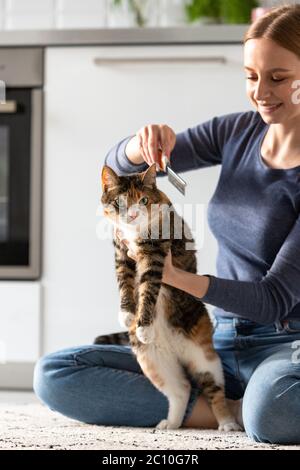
(169, 330)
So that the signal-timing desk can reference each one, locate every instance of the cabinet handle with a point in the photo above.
(8, 107)
(133, 60)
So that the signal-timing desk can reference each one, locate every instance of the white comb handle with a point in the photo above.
(165, 162)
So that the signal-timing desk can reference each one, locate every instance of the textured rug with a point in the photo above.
(33, 426)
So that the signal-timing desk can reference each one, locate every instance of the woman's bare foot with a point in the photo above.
(202, 416)
(235, 407)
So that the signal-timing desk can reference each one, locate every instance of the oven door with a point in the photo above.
(20, 183)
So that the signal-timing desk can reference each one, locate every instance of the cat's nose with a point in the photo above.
(133, 215)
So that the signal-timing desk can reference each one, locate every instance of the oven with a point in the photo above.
(21, 71)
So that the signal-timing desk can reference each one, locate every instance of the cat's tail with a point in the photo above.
(121, 338)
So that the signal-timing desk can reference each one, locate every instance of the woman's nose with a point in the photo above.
(261, 91)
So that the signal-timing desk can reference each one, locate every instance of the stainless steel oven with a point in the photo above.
(21, 70)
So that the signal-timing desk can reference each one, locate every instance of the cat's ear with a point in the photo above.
(149, 176)
(109, 179)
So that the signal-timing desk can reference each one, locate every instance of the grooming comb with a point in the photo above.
(174, 179)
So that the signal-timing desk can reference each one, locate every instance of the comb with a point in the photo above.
(174, 179)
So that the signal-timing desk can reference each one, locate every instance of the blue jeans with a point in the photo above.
(103, 384)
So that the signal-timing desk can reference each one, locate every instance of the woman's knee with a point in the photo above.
(43, 379)
(271, 405)
(50, 373)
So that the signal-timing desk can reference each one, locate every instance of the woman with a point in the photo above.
(254, 215)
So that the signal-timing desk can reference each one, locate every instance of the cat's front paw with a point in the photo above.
(229, 426)
(165, 424)
(145, 334)
(125, 318)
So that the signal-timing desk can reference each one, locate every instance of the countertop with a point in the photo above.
(202, 34)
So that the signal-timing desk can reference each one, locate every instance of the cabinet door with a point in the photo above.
(96, 96)
(19, 322)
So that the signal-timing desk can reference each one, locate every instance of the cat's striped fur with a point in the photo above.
(121, 338)
(169, 330)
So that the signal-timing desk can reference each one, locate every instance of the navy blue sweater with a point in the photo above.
(254, 215)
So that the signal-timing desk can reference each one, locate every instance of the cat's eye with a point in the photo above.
(144, 201)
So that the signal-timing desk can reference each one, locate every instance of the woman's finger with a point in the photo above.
(168, 139)
(153, 144)
(144, 145)
(141, 147)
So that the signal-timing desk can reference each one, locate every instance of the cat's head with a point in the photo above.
(127, 200)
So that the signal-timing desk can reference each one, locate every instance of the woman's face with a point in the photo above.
(271, 70)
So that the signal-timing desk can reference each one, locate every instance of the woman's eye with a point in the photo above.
(273, 79)
(144, 201)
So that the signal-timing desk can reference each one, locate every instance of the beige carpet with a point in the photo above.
(33, 426)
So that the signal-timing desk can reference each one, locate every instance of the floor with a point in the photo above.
(17, 398)
(26, 424)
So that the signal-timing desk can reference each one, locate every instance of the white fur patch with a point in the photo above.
(125, 318)
(171, 349)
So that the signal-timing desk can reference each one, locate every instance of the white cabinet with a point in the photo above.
(95, 96)
(20, 322)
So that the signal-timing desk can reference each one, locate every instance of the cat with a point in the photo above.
(169, 330)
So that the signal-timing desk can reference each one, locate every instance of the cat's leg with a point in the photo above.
(205, 366)
(150, 270)
(168, 376)
(215, 395)
(125, 270)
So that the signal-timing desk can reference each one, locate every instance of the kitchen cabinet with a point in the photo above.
(20, 337)
(95, 96)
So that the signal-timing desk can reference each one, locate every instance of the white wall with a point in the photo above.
(49, 14)
(73, 14)
(65, 14)
(20, 318)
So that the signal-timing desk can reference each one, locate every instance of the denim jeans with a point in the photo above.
(104, 384)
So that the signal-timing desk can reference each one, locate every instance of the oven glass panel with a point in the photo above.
(15, 130)
(4, 178)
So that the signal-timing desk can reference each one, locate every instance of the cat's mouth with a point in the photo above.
(133, 220)
(135, 223)
(131, 223)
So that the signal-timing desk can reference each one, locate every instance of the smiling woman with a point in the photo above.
(272, 65)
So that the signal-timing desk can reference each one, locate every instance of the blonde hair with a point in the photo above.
(281, 24)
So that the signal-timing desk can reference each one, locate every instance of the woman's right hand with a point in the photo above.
(154, 141)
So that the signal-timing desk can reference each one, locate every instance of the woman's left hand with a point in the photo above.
(168, 270)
